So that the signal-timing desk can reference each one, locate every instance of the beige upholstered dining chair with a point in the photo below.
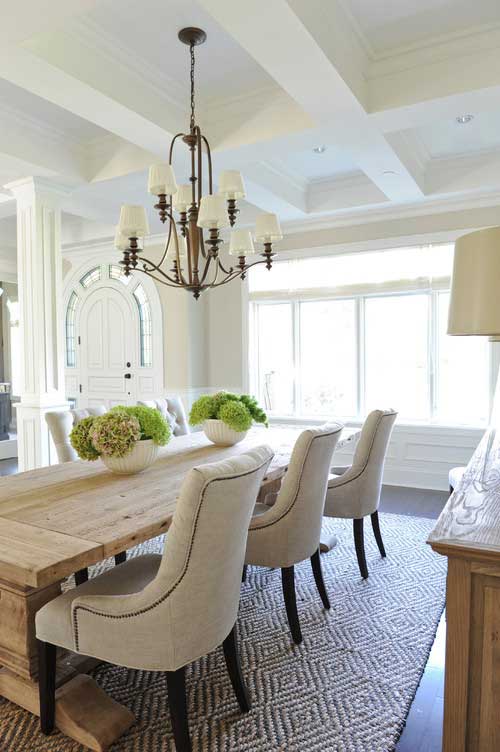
(160, 613)
(288, 532)
(354, 491)
(60, 426)
(172, 409)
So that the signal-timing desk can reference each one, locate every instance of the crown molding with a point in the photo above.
(281, 171)
(19, 119)
(382, 213)
(435, 50)
(93, 36)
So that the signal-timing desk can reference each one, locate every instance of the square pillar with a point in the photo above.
(39, 264)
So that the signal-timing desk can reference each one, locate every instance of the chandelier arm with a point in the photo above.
(202, 246)
(177, 135)
(208, 263)
(153, 267)
(223, 269)
(160, 262)
(170, 283)
(209, 158)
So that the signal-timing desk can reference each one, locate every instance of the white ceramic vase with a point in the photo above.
(142, 456)
(219, 433)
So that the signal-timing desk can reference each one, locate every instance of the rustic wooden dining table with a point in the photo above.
(57, 520)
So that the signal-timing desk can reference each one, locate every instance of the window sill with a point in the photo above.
(403, 424)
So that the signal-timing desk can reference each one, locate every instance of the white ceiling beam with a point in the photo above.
(286, 46)
(25, 69)
(263, 178)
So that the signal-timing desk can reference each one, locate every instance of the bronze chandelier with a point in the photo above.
(193, 241)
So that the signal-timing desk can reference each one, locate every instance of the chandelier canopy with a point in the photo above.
(194, 220)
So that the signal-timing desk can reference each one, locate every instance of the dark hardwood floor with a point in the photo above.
(423, 729)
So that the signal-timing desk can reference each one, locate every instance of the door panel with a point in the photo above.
(107, 323)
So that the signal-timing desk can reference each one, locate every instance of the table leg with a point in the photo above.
(84, 711)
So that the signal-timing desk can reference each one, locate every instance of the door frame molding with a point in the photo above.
(109, 256)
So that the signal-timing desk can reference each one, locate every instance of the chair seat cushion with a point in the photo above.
(455, 476)
(53, 621)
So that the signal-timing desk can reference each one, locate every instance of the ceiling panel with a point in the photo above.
(449, 138)
(312, 166)
(398, 23)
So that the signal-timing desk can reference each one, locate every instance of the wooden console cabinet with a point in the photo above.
(468, 533)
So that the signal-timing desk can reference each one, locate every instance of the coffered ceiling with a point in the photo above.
(92, 90)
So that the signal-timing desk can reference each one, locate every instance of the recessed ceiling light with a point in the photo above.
(389, 172)
(463, 119)
(319, 149)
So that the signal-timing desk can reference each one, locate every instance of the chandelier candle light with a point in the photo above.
(193, 241)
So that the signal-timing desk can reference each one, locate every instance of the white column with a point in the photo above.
(39, 265)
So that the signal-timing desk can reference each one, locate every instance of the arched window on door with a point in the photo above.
(99, 274)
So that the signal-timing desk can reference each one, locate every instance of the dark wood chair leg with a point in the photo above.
(359, 542)
(47, 685)
(176, 685)
(288, 584)
(378, 534)
(244, 573)
(120, 558)
(451, 489)
(232, 656)
(318, 578)
(81, 576)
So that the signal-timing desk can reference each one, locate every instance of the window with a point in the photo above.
(116, 272)
(340, 335)
(327, 361)
(146, 344)
(70, 331)
(397, 354)
(94, 275)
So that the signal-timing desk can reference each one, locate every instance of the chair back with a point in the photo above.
(290, 531)
(371, 449)
(199, 578)
(356, 493)
(61, 424)
(172, 409)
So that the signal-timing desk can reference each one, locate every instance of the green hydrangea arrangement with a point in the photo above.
(81, 441)
(152, 423)
(238, 411)
(115, 433)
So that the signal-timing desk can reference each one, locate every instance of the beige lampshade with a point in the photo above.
(162, 180)
(475, 289)
(133, 221)
(267, 228)
(213, 213)
(231, 184)
(121, 241)
(183, 198)
(241, 243)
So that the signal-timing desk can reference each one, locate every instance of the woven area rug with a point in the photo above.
(347, 688)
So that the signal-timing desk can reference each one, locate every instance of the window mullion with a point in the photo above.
(360, 359)
(433, 356)
(297, 397)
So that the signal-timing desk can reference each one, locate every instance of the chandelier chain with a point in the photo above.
(192, 121)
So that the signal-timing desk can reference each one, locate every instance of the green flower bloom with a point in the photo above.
(81, 441)
(115, 433)
(203, 409)
(152, 423)
(235, 415)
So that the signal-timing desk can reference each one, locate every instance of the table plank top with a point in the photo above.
(470, 520)
(58, 519)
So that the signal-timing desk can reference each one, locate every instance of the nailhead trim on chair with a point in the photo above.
(160, 600)
(289, 509)
(362, 470)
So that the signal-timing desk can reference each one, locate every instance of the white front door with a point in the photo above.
(107, 345)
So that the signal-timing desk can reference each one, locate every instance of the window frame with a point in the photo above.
(296, 297)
